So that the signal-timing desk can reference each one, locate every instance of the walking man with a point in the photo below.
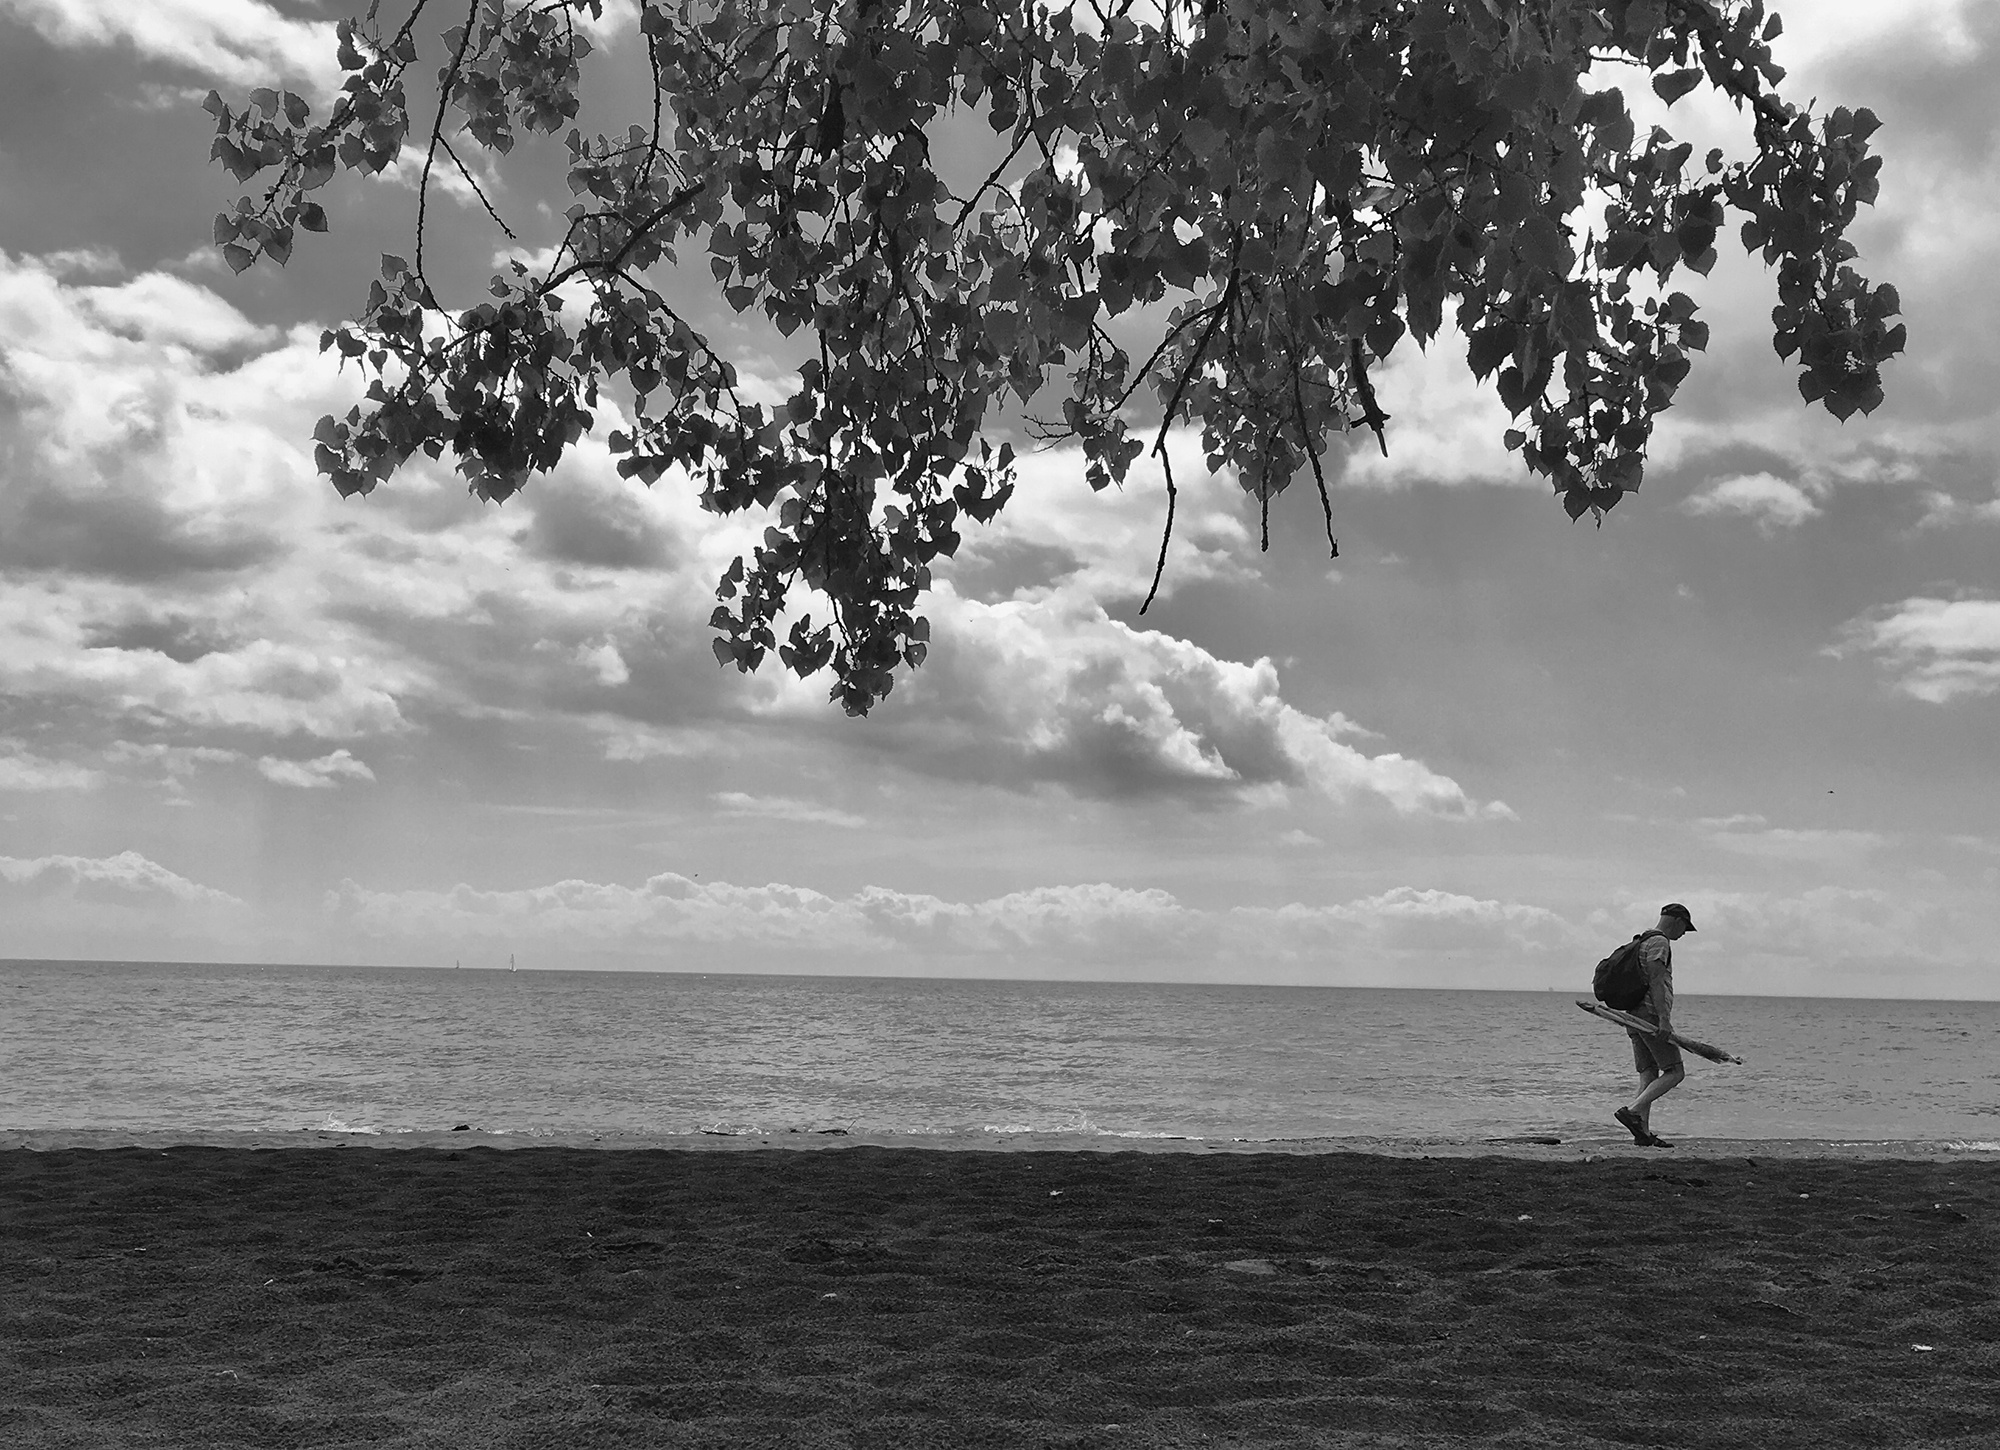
(1656, 1056)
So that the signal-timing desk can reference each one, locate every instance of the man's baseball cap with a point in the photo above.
(1674, 908)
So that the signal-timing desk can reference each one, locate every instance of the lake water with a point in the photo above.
(146, 1047)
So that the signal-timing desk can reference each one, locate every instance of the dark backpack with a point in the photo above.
(1620, 979)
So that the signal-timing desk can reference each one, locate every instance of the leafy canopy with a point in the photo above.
(1218, 213)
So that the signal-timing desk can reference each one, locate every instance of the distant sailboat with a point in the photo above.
(510, 963)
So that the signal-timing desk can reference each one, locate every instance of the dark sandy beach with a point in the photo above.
(900, 1297)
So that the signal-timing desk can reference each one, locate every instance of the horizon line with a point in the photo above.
(663, 971)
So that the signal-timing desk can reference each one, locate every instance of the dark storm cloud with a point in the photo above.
(178, 637)
(116, 535)
(595, 523)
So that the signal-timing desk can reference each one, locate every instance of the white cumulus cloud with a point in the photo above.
(1051, 688)
(122, 878)
(1772, 501)
(1444, 425)
(783, 808)
(22, 769)
(407, 171)
(1939, 649)
(173, 762)
(1829, 941)
(1754, 836)
(1083, 929)
(321, 774)
(1943, 511)
(177, 570)
(1407, 919)
(172, 312)
(238, 42)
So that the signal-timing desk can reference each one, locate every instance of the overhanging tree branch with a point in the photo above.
(1371, 170)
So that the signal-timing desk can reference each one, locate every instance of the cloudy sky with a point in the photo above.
(243, 720)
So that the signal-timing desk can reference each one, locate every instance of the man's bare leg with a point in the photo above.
(1652, 1087)
(1634, 1123)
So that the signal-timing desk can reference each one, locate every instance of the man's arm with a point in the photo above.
(1656, 957)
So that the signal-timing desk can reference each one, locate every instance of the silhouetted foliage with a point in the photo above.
(1285, 192)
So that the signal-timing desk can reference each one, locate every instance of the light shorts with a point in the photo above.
(1653, 1054)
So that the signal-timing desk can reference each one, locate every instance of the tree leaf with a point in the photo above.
(1675, 84)
(1487, 348)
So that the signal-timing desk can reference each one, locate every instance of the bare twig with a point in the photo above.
(1216, 314)
(472, 182)
(409, 24)
(1264, 508)
(1020, 140)
(653, 144)
(437, 135)
(1312, 454)
(1166, 534)
(611, 264)
(1371, 411)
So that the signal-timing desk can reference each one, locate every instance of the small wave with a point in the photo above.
(1080, 1124)
(1081, 1127)
(331, 1124)
(1982, 1145)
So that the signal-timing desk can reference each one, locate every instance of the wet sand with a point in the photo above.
(454, 1294)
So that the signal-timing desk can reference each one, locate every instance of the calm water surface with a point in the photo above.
(148, 1047)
